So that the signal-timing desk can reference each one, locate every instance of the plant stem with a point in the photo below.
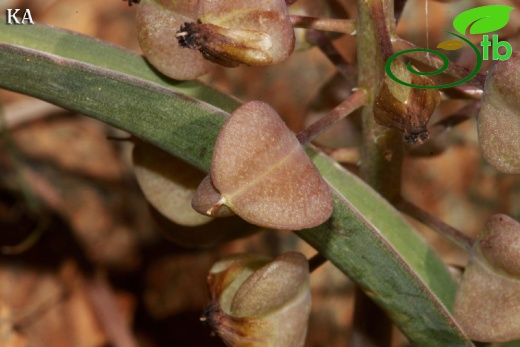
(461, 92)
(378, 15)
(353, 102)
(107, 312)
(345, 26)
(316, 261)
(454, 235)
(458, 117)
(381, 151)
(321, 40)
(434, 61)
(382, 148)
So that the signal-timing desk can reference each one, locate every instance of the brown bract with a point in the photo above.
(168, 183)
(499, 117)
(487, 305)
(182, 38)
(264, 175)
(404, 108)
(157, 25)
(260, 302)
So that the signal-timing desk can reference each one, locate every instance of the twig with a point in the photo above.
(321, 40)
(353, 102)
(25, 321)
(108, 313)
(458, 117)
(120, 138)
(383, 37)
(30, 240)
(460, 92)
(316, 261)
(454, 235)
(398, 8)
(345, 26)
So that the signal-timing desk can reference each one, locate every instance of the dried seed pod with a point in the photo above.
(263, 174)
(403, 108)
(259, 302)
(182, 38)
(487, 305)
(168, 183)
(499, 117)
(251, 32)
(227, 47)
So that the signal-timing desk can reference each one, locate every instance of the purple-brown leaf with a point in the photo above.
(263, 173)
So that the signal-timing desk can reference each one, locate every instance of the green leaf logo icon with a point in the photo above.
(482, 19)
(451, 45)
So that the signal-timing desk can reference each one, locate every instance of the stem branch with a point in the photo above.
(321, 40)
(352, 103)
(316, 261)
(454, 235)
(345, 26)
(383, 37)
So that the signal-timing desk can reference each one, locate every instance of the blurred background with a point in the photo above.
(82, 255)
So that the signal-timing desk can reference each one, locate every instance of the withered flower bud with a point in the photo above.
(256, 301)
(227, 47)
(251, 32)
(183, 38)
(404, 108)
(487, 305)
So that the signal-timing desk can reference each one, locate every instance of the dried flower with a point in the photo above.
(256, 301)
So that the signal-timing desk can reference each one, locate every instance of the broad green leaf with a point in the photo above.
(75, 46)
(372, 244)
(366, 238)
(483, 19)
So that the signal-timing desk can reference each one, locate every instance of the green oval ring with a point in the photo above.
(442, 69)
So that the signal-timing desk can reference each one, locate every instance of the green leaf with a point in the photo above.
(366, 237)
(379, 250)
(483, 19)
